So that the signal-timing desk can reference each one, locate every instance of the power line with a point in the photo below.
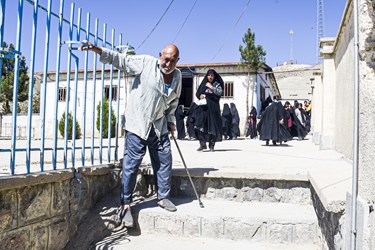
(235, 25)
(156, 24)
(185, 21)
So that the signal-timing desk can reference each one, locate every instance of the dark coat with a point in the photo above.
(180, 124)
(226, 118)
(298, 130)
(269, 126)
(251, 129)
(191, 120)
(235, 120)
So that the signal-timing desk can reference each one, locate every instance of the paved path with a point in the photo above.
(251, 157)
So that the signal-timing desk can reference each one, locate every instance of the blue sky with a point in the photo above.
(210, 34)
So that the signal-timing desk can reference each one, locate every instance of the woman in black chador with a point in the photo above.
(190, 121)
(235, 121)
(252, 124)
(271, 125)
(226, 119)
(180, 124)
(208, 118)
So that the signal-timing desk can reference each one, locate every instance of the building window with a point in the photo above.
(114, 92)
(62, 94)
(228, 90)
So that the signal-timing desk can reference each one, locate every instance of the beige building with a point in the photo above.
(335, 115)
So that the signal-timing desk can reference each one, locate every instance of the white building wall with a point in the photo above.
(240, 82)
(90, 113)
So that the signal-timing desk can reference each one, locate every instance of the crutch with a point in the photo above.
(187, 171)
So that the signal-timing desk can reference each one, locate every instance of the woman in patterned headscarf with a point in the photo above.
(208, 122)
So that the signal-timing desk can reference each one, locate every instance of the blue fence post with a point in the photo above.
(57, 83)
(102, 100)
(94, 94)
(74, 133)
(45, 72)
(85, 92)
(44, 87)
(118, 103)
(110, 100)
(66, 132)
(31, 85)
(2, 16)
(15, 87)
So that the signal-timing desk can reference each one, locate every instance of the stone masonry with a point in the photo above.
(43, 210)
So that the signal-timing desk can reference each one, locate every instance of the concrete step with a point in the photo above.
(279, 223)
(121, 240)
(231, 186)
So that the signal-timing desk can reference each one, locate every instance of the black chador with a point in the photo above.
(235, 121)
(226, 118)
(190, 121)
(208, 116)
(180, 124)
(271, 126)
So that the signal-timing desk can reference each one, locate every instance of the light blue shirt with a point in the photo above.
(147, 104)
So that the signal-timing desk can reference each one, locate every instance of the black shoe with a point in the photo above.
(267, 143)
(212, 150)
(125, 217)
(201, 148)
(167, 205)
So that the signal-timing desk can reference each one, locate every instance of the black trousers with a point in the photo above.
(204, 138)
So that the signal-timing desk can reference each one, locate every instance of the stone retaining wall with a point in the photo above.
(331, 224)
(43, 210)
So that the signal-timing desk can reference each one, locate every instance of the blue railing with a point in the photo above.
(66, 44)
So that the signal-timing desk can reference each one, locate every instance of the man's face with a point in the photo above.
(168, 61)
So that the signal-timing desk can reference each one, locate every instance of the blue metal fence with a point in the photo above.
(66, 44)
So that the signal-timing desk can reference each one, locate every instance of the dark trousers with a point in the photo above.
(204, 138)
(161, 160)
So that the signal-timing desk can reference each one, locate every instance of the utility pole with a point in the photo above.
(291, 59)
(319, 27)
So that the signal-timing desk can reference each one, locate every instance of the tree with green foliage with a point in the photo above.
(7, 78)
(70, 127)
(105, 119)
(36, 102)
(252, 58)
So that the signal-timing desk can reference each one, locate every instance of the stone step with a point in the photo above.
(278, 223)
(121, 240)
(231, 187)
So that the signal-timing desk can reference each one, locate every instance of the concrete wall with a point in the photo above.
(342, 56)
(366, 40)
(338, 89)
(317, 109)
(344, 89)
(42, 211)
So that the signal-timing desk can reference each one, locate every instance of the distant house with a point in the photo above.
(261, 85)
(297, 81)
